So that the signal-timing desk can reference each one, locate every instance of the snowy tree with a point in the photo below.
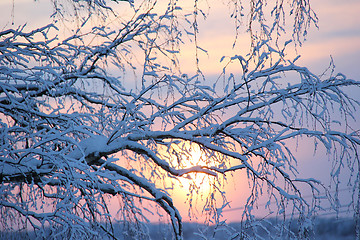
(105, 111)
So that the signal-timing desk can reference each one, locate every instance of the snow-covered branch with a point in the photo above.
(77, 127)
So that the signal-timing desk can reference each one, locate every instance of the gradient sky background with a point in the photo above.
(338, 36)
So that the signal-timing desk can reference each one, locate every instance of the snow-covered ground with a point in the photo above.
(324, 229)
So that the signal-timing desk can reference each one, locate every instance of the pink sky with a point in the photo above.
(338, 36)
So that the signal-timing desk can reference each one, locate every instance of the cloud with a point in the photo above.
(326, 47)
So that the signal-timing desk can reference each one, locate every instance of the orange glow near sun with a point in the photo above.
(192, 156)
(194, 193)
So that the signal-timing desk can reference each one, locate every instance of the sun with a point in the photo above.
(196, 183)
(197, 158)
